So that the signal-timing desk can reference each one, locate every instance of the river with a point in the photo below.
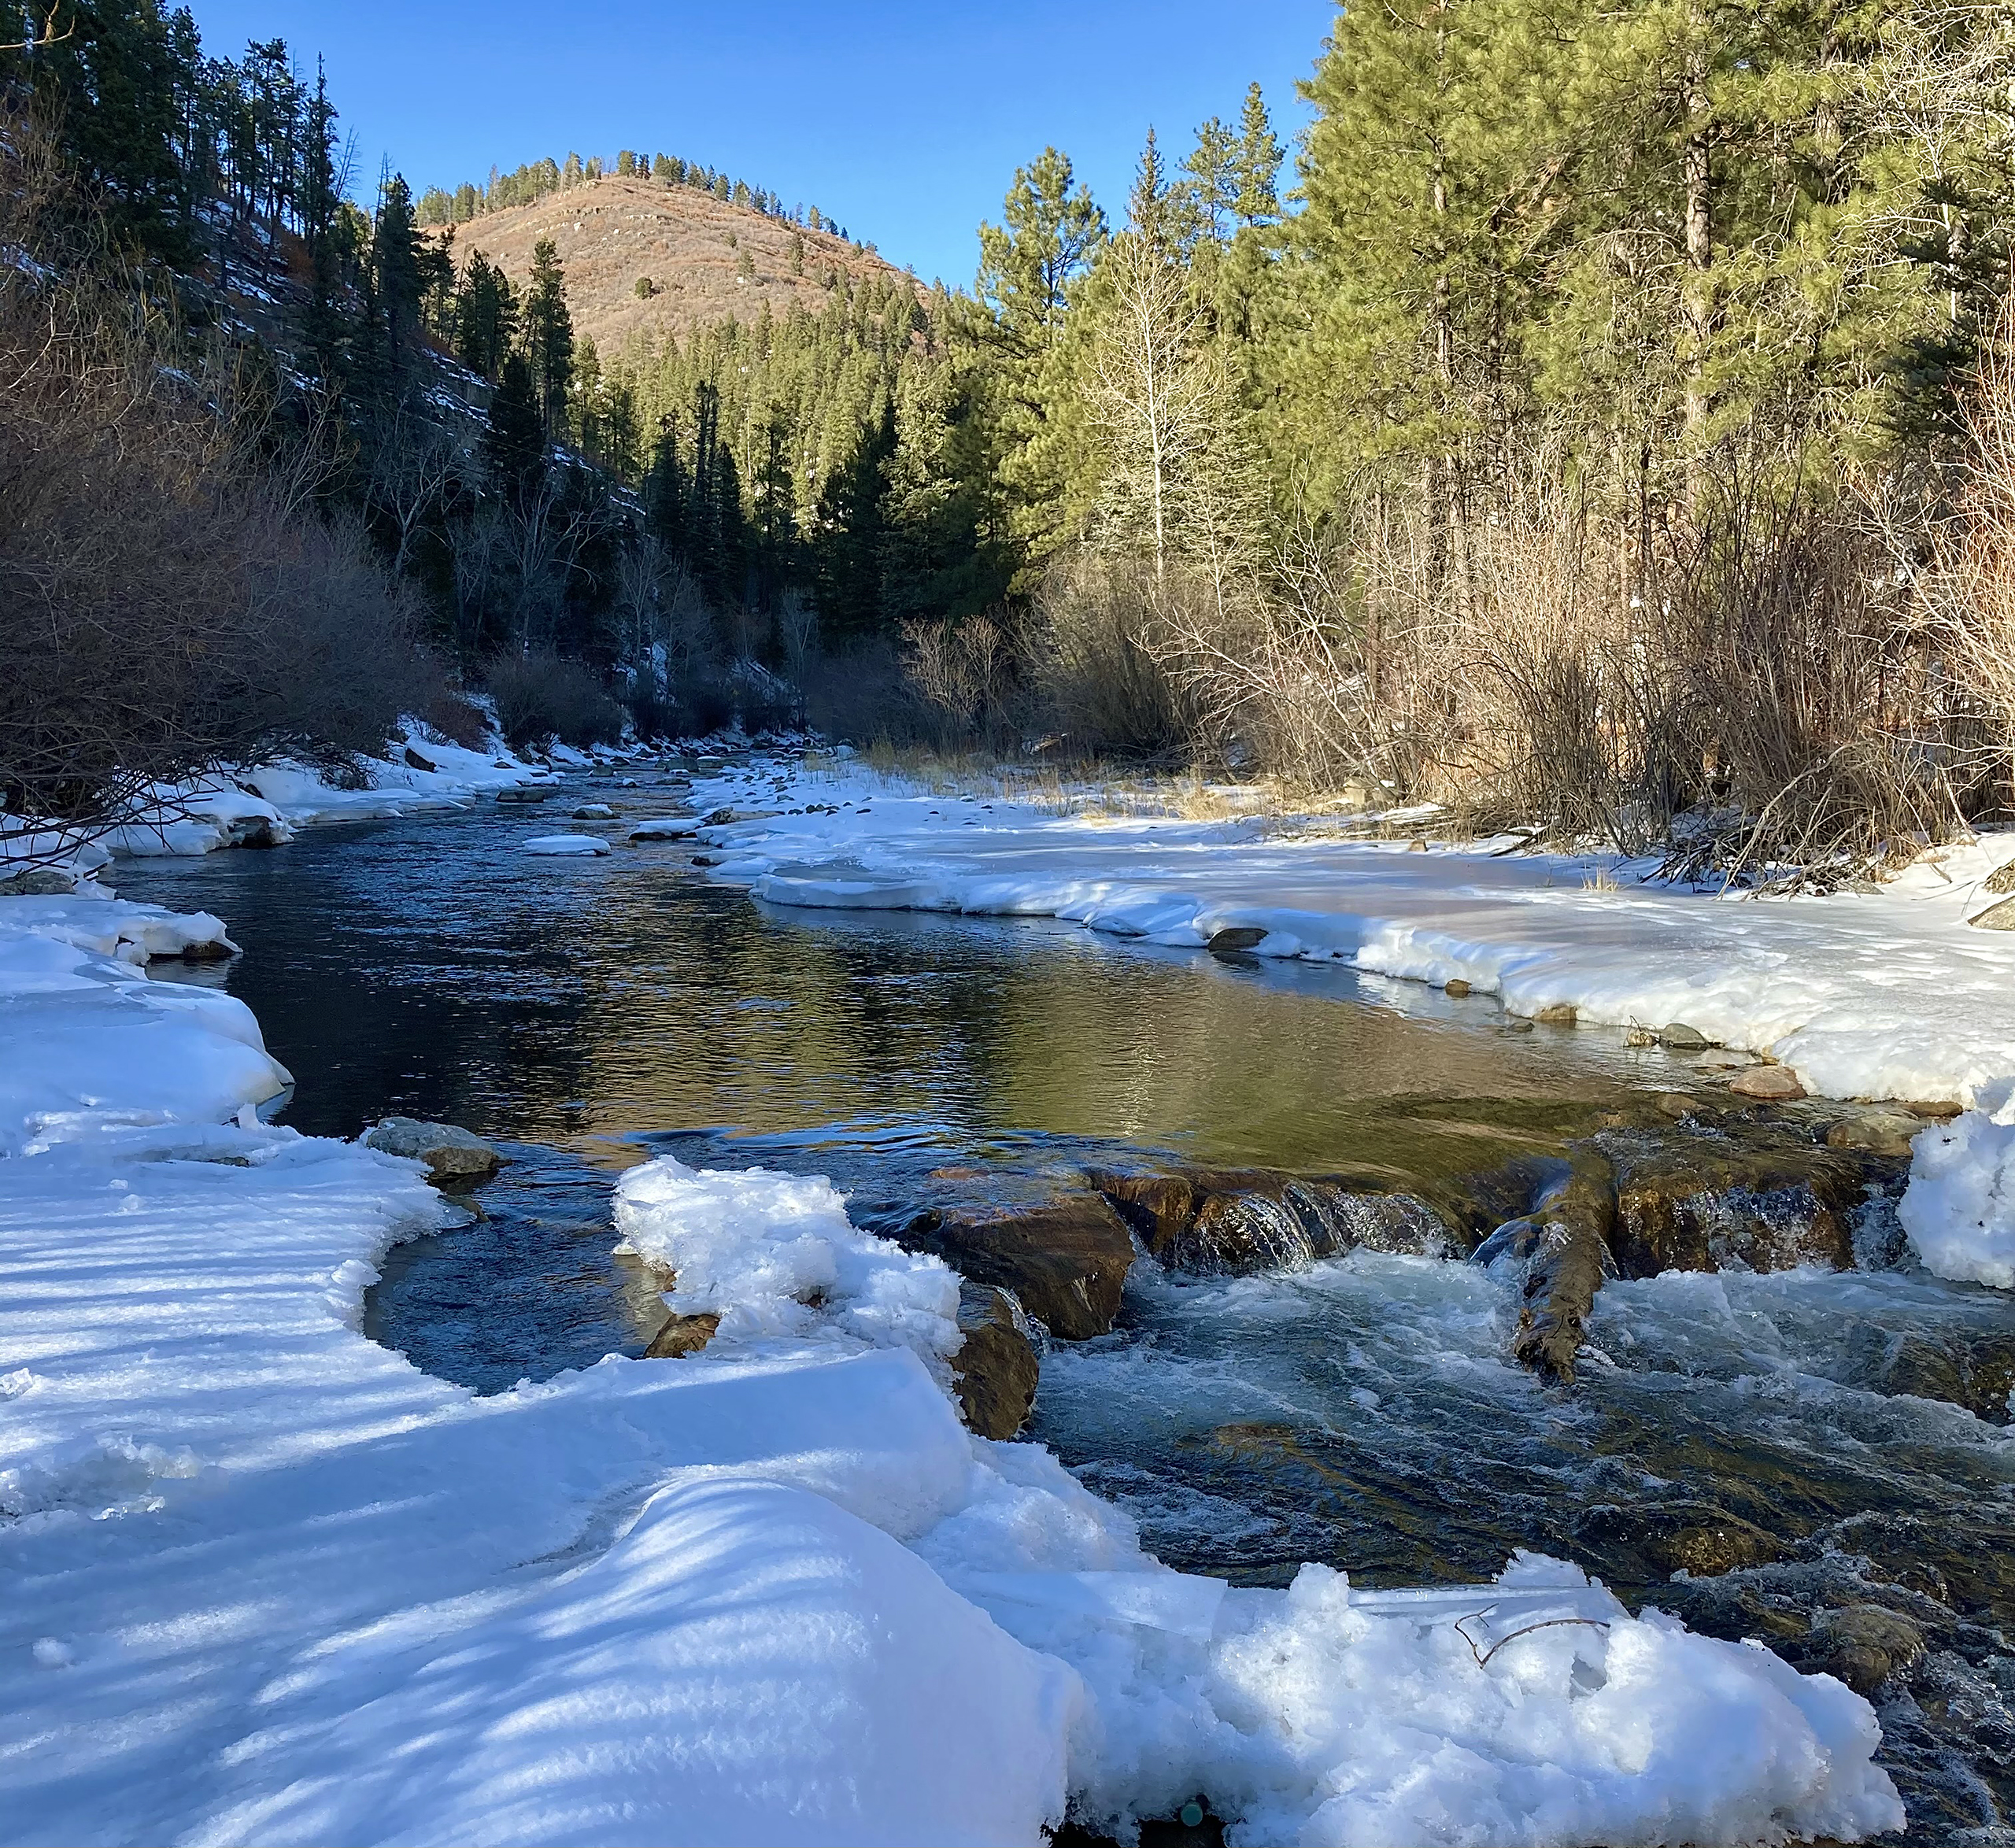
(586, 1013)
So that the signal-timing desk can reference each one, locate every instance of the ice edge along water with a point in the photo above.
(1872, 996)
(264, 1580)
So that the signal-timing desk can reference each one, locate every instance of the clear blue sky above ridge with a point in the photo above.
(903, 119)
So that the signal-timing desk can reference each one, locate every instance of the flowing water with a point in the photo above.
(586, 1013)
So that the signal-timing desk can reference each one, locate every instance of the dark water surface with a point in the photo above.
(587, 1012)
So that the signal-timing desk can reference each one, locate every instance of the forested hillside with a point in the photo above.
(1599, 419)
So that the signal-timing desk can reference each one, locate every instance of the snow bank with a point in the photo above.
(262, 1579)
(1880, 995)
(198, 817)
(1959, 1209)
(775, 1256)
(87, 1041)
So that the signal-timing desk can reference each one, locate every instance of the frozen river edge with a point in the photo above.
(266, 1580)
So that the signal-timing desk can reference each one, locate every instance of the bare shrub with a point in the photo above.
(866, 695)
(1969, 592)
(967, 671)
(542, 697)
(169, 599)
(1097, 661)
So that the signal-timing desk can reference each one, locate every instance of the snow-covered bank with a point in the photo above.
(1887, 994)
(87, 1041)
(263, 1579)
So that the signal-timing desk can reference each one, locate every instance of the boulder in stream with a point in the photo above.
(1065, 1256)
(996, 1371)
(452, 1155)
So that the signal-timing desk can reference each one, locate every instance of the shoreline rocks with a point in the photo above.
(1066, 1257)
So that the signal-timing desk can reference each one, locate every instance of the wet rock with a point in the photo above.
(1220, 1222)
(1682, 1038)
(1235, 937)
(1456, 987)
(1065, 1258)
(1558, 1014)
(1864, 1645)
(1974, 1372)
(1655, 1540)
(682, 1334)
(1886, 1132)
(452, 1154)
(1702, 1203)
(253, 830)
(523, 793)
(2000, 915)
(1937, 1110)
(38, 882)
(1678, 1105)
(720, 818)
(209, 949)
(1767, 1084)
(995, 1373)
(1566, 1259)
(594, 811)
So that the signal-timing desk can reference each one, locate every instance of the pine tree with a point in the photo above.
(548, 334)
(1254, 170)
(396, 282)
(514, 445)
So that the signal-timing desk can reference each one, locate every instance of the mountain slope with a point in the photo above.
(610, 232)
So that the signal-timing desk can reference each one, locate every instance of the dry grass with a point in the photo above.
(611, 231)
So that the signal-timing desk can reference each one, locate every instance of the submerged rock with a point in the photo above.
(682, 1334)
(1704, 1204)
(1864, 1645)
(451, 1154)
(1655, 1540)
(996, 1372)
(1886, 1132)
(1066, 1257)
(1767, 1084)
(1974, 1372)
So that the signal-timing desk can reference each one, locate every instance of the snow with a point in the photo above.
(1883, 995)
(1959, 1209)
(87, 1041)
(564, 845)
(775, 1256)
(261, 1579)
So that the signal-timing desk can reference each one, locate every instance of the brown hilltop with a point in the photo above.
(611, 231)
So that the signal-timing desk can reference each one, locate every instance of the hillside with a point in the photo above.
(610, 232)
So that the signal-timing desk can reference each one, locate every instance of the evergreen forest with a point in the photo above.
(1600, 419)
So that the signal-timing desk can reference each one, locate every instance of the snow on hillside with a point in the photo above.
(262, 1579)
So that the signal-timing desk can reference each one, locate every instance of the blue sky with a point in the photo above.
(903, 118)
